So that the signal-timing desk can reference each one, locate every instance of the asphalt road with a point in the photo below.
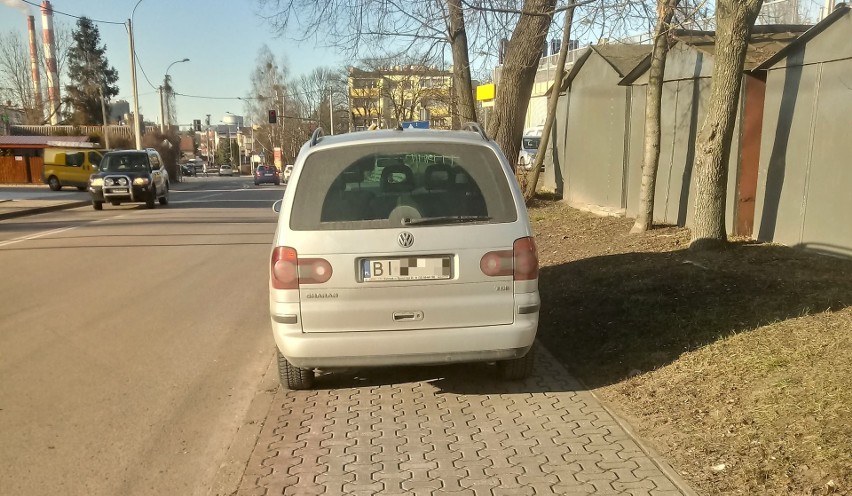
(132, 341)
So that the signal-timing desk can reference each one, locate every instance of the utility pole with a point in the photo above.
(162, 112)
(331, 111)
(106, 121)
(137, 121)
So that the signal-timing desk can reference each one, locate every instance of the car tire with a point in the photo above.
(115, 203)
(164, 200)
(81, 188)
(151, 201)
(294, 378)
(97, 205)
(256, 183)
(278, 184)
(517, 368)
(54, 183)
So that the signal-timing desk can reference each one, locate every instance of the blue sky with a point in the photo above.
(220, 37)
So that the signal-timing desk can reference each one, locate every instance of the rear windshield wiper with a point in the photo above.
(447, 219)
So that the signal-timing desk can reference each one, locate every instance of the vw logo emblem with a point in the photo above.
(405, 239)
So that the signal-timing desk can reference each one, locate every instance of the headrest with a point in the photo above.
(397, 178)
(439, 176)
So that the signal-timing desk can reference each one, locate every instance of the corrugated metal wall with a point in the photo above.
(686, 94)
(805, 178)
(594, 162)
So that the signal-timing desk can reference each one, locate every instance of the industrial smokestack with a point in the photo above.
(34, 66)
(50, 58)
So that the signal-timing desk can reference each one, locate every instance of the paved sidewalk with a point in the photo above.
(10, 209)
(449, 430)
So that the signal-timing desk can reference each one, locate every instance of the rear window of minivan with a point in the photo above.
(373, 186)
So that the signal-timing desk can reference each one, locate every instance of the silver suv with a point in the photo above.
(402, 247)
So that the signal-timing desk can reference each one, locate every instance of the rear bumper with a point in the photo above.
(405, 347)
(265, 179)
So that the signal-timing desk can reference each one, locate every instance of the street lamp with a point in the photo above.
(163, 114)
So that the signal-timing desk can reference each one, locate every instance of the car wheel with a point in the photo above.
(81, 188)
(278, 184)
(256, 183)
(115, 203)
(97, 205)
(294, 378)
(54, 183)
(517, 368)
(164, 200)
(151, 201)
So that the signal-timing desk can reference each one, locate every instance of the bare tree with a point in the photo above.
(457, 34)
(15, 77)
(271, 89)
(321, 92)
(518, 75)
(735, 19)
(529, 194)
(653, 106)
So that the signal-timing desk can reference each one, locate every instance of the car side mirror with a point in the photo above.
(276, 207)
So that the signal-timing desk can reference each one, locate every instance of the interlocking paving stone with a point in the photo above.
(448, 430)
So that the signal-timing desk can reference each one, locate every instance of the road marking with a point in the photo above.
(55, 231)
(37, 235)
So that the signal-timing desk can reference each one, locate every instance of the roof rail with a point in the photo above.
(475, 127)
(316, 136)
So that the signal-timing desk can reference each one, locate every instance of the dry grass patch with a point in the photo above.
(736, 364)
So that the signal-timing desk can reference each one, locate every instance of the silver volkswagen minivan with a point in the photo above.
(402, 247)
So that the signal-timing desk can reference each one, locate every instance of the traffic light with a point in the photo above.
(196, 124)
(273, 116)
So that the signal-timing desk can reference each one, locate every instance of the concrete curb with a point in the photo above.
(230, 474)
(41, 210)
(655, 457)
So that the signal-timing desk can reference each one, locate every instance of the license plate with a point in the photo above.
(119, 190)
(405, 269)
(268, 175)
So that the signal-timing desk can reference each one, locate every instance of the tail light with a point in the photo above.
(288, 271)
(526, 259)
(521, 262)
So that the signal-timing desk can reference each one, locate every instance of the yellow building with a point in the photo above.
(387, 96)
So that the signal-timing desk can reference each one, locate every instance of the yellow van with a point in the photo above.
(70, 167)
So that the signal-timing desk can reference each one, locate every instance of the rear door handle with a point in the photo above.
(407, 316)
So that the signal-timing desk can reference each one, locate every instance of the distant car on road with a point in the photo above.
(226, 170)
(266, 174)
(288, 170)
(187, 169)
(130, 176)
(529, 149)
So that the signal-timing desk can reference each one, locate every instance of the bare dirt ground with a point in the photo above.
(736, 365)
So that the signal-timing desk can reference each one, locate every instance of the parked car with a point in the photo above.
(266, 174)
(398, 248)
(70, 167)
(288, 170)
(130, 176)
(226, 170)
(529, 149)
(187, 169)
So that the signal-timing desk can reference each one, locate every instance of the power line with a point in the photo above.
(71, 15)
(139, 63)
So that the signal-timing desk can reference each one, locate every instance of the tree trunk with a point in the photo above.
(517, 77)
(734, 20)
(653, 106)
(461, 63)
(552, 103)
